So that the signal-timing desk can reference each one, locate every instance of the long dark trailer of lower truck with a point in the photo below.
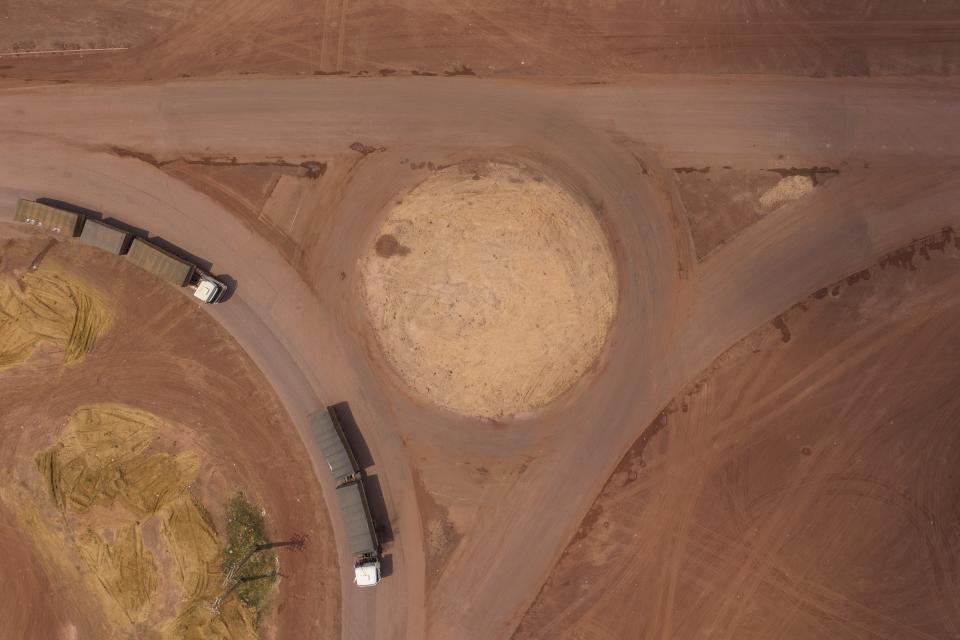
(327, 433)
(361, 533)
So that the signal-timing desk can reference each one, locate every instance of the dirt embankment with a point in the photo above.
(122, 471)
(491, 289)
(804, 487)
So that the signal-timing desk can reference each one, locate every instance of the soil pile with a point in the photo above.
(52, 308)
(491, 289)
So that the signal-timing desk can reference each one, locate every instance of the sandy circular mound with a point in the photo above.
(490, 288)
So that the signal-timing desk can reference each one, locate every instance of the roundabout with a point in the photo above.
(490, 288)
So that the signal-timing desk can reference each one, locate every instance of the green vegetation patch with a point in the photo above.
(245, 559)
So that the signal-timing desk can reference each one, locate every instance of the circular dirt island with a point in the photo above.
(490, 288)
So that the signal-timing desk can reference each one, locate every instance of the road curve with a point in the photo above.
(611, 145)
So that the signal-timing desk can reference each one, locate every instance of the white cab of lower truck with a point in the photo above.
(366, 572)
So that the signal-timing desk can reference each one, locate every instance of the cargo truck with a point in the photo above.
(48, 218)
(175, 270)
(328, 434)
(361, 534)
(111, 238)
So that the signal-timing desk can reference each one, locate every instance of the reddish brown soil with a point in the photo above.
(165, 355)
(805, 487)
(181, 38)
(719, 202)
(244, 189)
(513, 518)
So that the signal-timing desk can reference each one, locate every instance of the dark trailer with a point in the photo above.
(105, 236)
(326, 431)
(160, 263)
(361, 536)
(48, 218)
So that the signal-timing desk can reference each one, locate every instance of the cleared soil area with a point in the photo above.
(513, 495)
(51, 25)
(182, 37)
(719, 202)
(804, 487)
(119, 465)
(268, 196)
(491, 289)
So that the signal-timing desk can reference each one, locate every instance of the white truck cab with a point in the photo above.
(366, 572)
(208, 288)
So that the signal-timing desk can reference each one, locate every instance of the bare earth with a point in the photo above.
(227, 421)
(802, 488)
(466, 500)
(727, 199)
(491, 37)
(490, 289)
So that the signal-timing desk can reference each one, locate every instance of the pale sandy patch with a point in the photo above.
(491, 289)
(789, 188)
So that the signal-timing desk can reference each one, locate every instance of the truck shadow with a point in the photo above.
(129, 228)
(69, 206)
(186, 255)
(231, 283)
(378, 509)
(386, 565)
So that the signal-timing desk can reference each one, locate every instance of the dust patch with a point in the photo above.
(52, 308)
(490, 288)
(789, 188)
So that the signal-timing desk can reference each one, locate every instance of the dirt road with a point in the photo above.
(609, 144)
(801, 488)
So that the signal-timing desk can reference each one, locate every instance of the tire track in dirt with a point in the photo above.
(751, 570)
(341, 33)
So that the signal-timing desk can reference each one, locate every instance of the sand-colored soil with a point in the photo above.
(491, 289)
(787, 189)
(45, 306)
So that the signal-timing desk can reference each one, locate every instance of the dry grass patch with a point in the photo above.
(48, 307)
(109, 480)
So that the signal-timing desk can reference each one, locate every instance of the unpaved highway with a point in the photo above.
(610, 144)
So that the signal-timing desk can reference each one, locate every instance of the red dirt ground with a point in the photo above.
(179, 38)
(804, 487)
(510, 498)
(720, 202)
(164, 355)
